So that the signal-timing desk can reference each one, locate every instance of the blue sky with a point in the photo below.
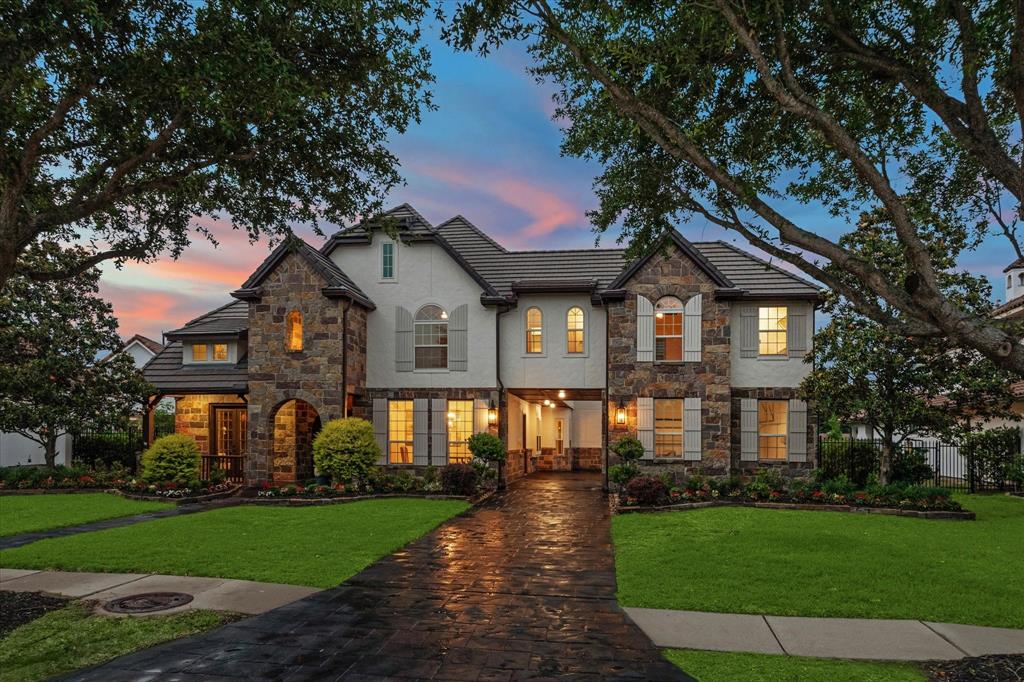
(491, 153)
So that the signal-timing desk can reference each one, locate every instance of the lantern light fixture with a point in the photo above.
(620, 414)
(492, 414)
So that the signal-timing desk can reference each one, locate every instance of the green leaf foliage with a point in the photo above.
(487, 446)
(172, 458)
(346, 450)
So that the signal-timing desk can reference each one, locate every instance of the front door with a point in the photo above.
(560, 436)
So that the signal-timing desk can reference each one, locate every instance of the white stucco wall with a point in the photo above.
(140, 354)
(586, 423)
(554, 368)
(426, 274)
(782, 372)
(16, 450)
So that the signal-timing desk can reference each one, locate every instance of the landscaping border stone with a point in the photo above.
(616, 508)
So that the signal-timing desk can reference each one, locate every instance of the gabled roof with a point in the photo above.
(1019, 263)
(229, 320)
(144, 341)
(684, 245)
(753, 275)
(338, 284)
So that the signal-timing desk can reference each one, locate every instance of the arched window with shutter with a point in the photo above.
(431, 338)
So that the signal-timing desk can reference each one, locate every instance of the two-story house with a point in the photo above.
(436, 332)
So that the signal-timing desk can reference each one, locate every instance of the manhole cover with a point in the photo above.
(148, 602)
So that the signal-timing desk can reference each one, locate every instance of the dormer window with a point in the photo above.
(198, 352)
(210, 352)
(220, 352)
(294, 331)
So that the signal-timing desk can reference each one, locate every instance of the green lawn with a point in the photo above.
(318, 546)
(807, 563)
(72, 638)
(32, 513)
(716, 666)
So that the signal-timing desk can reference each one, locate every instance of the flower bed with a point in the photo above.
(170, 491)
(30, 479)
(769, 489)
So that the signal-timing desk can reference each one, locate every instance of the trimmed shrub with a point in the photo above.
(459, 479)
(173, 458)
(911, 466)
(487, 447)
(346, 450)
(646, 490)
(628, 448)
(622, 474)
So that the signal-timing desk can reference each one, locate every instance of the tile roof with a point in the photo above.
(1019, 263)
(752, 274)
(148, 343)
(170, 376)
(1012, 309)
(230, 319)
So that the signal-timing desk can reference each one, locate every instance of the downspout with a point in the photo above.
(344, 357)
(501, 310)
(607, 395)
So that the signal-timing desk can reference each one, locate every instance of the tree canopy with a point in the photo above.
(57, 377)
(121, 121)
(718, 110)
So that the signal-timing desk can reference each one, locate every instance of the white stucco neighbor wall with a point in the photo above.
(553, 368)
(782, 372)
(426, 274)
(140, 354)
(16, 450)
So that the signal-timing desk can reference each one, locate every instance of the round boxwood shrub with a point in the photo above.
(487, 446)
(171, 458)
(346, 450)
(628, 448)
(459, 479)
(646, 490)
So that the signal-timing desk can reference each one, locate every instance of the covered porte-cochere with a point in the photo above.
(554, 429)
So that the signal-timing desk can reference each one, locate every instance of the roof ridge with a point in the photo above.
(769, 264)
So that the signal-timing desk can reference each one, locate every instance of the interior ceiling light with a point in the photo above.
(561, 395)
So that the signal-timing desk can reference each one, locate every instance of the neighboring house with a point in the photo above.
(436, 332)
(17, 450)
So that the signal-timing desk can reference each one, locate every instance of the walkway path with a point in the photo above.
(218, 594)
(12, 541)
(888, 640)
(522, 587)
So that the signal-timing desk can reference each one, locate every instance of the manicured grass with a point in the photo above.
(72, 638)
(318, 546)
(717, 666)
(32, 513)
(808, 563)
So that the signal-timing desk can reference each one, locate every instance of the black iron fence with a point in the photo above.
(990, 462)
(115, 446)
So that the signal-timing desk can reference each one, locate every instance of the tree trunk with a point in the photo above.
(885, 463)
(50, 449)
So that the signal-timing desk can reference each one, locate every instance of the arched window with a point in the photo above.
(431, 338)
(1020, 279)
(574, 330)
(668, 329)
(293, 333)
(534, 331)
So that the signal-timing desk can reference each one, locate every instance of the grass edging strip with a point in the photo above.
(616, 508)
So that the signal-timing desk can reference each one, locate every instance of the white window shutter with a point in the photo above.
(797, 330)
(380, 427)
(645, 425)
(644, 330)
(480, 415)
(420, 435)
(692, 429)
(692, 314)
(748, 429)
(748, 332)
(797, 436)
(404, 353)
(438, 431)
(458, 339)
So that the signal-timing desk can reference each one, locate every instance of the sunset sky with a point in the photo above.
(490, 152)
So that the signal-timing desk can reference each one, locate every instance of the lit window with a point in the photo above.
(400, 432)
(198, 352)
(460, 428)
(294, 330)
(771, 331)
(220, 352)
(574, 330)
(387, 260)
(534, 331)
(668, 329)
(431, 338)
(771, 429)
(668, 427)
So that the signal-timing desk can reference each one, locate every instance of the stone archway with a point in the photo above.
(295, 423)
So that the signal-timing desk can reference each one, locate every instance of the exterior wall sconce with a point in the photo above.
(492, 414)
(620, 414)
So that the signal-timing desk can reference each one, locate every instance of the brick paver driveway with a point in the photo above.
(521, 588)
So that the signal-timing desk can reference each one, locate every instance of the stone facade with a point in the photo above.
(192, 416)
(295, 426)
(586, 459)
(790, 469)
(674, 275)
(314, 374)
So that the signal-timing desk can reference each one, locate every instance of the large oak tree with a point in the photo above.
(120, 121)
(718, 109)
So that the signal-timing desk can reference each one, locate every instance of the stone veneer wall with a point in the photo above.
(677, 275)
(586, 459)
(276, 374)
(790, 469)
(192, 416)
(293, 442)
(355, 360)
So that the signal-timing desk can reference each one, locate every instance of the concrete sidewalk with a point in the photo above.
(217, 594)
(887, 640)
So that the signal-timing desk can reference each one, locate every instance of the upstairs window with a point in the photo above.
(220, 352)
(431, 338)
(668, 329)
(387, 260)
(771, 331)
(772, 416)
(209, 352)
(534, 331)
(574, 330)
(294, 331)
(199, 352)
